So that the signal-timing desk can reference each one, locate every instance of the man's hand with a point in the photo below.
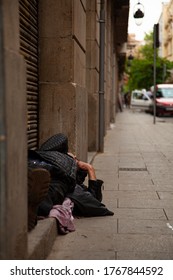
(87, 167)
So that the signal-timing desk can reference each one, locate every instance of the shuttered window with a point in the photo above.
(28, 16)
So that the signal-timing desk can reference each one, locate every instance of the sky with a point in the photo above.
(152, 12)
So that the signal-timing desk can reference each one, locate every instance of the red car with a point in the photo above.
(164, 99)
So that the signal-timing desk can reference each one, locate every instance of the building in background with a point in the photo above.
(166, 31)
(132, 46)
(166, 36)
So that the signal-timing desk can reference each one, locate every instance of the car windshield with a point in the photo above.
(165, 92)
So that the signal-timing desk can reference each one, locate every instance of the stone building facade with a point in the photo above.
(50, 54)
(166, 31)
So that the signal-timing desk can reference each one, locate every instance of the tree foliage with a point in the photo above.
(140, 71)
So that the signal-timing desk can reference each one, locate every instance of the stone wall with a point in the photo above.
(63, 98)
(13, 158)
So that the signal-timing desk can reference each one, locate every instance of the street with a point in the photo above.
(137, 169)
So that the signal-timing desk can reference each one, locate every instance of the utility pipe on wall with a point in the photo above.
(101, 76)
(3, 191)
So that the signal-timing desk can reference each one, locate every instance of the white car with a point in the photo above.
(140, 99)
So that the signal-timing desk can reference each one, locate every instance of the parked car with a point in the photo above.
(164, 99)
(140, 99)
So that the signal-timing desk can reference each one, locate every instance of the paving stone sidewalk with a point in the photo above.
(137, 168)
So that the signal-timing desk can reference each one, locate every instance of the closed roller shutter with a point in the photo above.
(28, 13)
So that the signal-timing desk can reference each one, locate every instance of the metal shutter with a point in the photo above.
(28, 16)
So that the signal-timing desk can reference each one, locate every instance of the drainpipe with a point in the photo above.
(101, 76)
(3, 191)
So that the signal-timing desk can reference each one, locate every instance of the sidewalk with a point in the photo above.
(137, 168)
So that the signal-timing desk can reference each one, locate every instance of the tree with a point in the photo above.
(141, 68)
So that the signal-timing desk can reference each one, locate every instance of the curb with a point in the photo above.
(41, 239)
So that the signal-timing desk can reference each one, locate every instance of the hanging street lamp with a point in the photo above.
(138, 13)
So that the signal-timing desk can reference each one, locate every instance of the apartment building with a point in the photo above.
(61, 64)
(166, 31)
